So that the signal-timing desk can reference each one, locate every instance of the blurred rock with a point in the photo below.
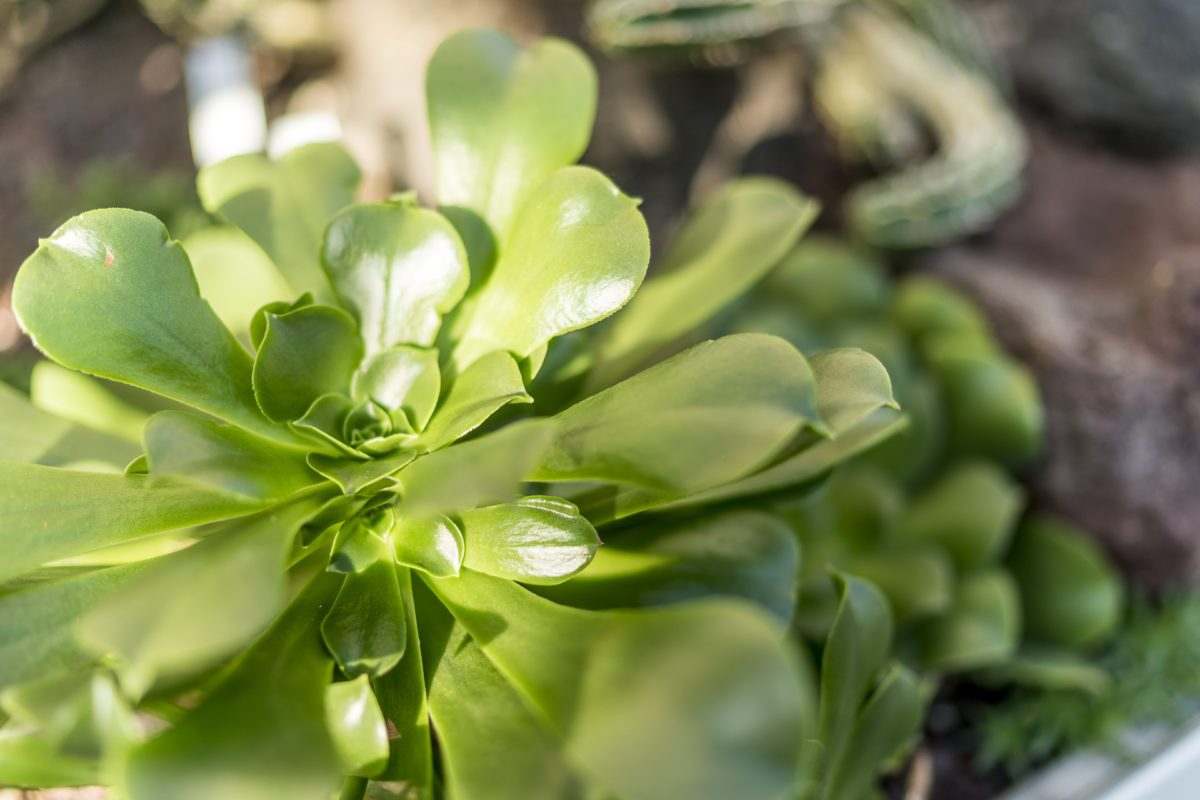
(1125, 70)
(1095, 281)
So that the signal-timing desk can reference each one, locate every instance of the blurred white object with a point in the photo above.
(226, 115)
(300, 128)
(1163, 764)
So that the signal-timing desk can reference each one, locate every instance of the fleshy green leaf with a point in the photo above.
(305, 353)
(855, 649)
(401, 378)
(209, 453)
(492, 743)
(489, 384)
(488, 469)
(431, 543)
(51, 514)
(83, 400)
(705, 417)
(745, 554)
(397, 269)
(1048, 668)
(1070, 594)
(724, 248)
(30, 435)
(354, 475)
(356, 725)
(401, 695)
(981, 628)
(887, 722)
(503, 118)
(971, 512)
(539, 540)
(262, 732)
(917, 581)
(235, 276)
(365, 628)
(851, 384)
(36, 622)
(284, 205)
(716, 698)
(324, 422)
(192, 608)
(110, 295)
(578, 251)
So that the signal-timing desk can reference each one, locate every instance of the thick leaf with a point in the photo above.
(1048, 668)
(397, 269)
(1071, 594)
(716, 699)
(705, 417)
(538, 540)
(109, 294)
(365, 628)
(826, 280)
(305, 353)
(982, 627)
(284, 205)
(261, 734)
(489, 384)
(493, 744)
(37, 622)
(235, 276)
(970, 512)
(504, 118)
(401, 378)
(85, 401)
(578, 251)
(927, 306)
(30, 435)
(745, 554)
(354, 475)
(431, 543)
(851, 383)
(324, 423)
(197, 450)
(51, 514)
(488, 469)
(357, 727)
(889, 720)
(858, 644)
(724, 248)
(401, 695)
(917, 581)
(190, 609)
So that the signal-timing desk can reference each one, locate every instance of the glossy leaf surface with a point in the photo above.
(397, 269)
(304, 354)
(356, 726)
(538, 540)
(489, 384)
(366, 628)
(115, 275)
(401, 378)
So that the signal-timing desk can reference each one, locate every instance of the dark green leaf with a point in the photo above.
(365, 628)
(305, 353)
(539, 540)
(397, 269)
(284, 205)
(114, 274)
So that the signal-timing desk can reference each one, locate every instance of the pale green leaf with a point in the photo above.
(397, 269)
(85, 401)
(489, 384)
(356, 726)
(401, 378)
(235, 276)
(432, 543)
(538, 540)
(284, 205)
(982, 627)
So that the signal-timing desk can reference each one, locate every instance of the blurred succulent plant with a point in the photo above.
(932, 516)
(345, 527)
(884, 72)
